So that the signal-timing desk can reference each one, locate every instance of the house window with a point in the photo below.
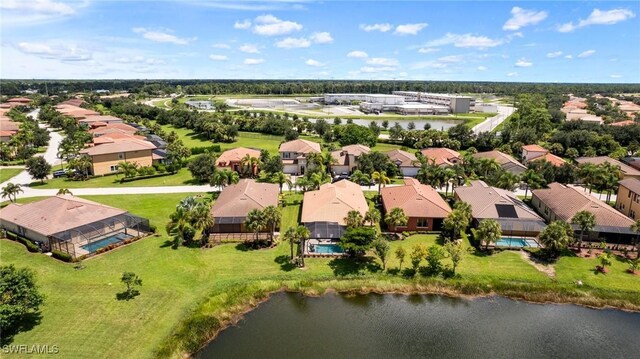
(632, 214)
(114, 168)
(121, 156)
(546, 210)
(285, 155)
(21, 231)
(423, 222)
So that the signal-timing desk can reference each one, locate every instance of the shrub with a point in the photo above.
(153, 228)
(200, 150)
(31, 247)
(65, 257)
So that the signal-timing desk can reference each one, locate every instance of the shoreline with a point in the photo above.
(234, 312)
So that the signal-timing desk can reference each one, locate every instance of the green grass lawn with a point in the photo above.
(83, 317)
(7, 173)
(190, 138)
(181, 178)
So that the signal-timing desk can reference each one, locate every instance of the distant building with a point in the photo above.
(628, 198)
(347, 98)
(200, 105)
(455, 103)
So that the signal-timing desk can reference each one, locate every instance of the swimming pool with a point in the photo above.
(327, 249)
(516, 242)
(94, 246)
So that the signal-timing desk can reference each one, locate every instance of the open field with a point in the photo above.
(6, 173)
(187, 290)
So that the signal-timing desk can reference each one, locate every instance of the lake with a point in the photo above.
(291, 325)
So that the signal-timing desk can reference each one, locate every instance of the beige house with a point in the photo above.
(535, 153)
(294, 155)
(232, 159)
(106, 157)
(346, 159)
(508, 163)
(628, 199)
(627, 171)
(443, 157)
(407, 162)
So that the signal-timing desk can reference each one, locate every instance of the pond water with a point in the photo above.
(425, 326)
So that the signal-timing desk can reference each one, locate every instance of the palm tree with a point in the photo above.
(201, 218)
(456, 222)
(249, 165)
(556, 236)
(303, 234)
(354, 219)
(11, 190)
(465, 209)
(280, 178)
(128, 169)
(533, 181)
(372, 216)
(381, 179)
(508, 181)
(360, 178)
(636, 228)
(255, 221)
(448, 174)
(487, 165)
(179, 227)
(291, 235)
(303, 183)
(396, 218)
(63, 191)
(488, 231)
(272, 216)
(81, 165)
(586, 221)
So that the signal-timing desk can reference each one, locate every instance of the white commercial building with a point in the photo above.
(455, 103)
(342, 98)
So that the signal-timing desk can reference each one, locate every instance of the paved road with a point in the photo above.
(492, 122)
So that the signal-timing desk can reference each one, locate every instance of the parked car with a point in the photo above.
(59, 173)
(340, 177)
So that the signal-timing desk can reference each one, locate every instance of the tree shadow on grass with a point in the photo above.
(353, 266)
(25, 324)
(170, 243)
(127, 295)
(285, 263)
(242, 247)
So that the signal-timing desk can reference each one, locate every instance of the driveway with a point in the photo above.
(492, 122)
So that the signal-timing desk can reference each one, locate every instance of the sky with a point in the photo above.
(527, 41)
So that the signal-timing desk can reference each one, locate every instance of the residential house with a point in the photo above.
(505, 161)
(422, 204)
(624, 123)
(441, 156)
(235, 202)
(561, 203)
(75, 111)
(627, 171)
(346, 159)
(407, 162)
(106, 128)
(294, 155)
(634, 162)
(515, 218)
(535, 152)
(106, 157)
(324, 210)
(628, 198)
(23, 101)
(232, 159)
(89, 119)
(8, 128)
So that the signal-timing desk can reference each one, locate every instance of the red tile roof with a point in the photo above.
(416, 200)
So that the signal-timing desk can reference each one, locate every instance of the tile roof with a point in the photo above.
(355, 150)
(624, 123)
(485, 201)
(113, 127)
(74, 102)
(626, 169)
(416, 200)
(239, 199)
(57, 214)
(507, 162)
(19, 100)
(332, 202)
(124, 145)
(75, 111)
(534, 148)
(551, 158)
(7, 125)
(100, 118)
(565, 202)
(441, 155)
(403, 158)
(633, 184)
(300, 146)
(235, 155)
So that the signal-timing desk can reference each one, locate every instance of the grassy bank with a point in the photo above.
(7, 173)
(188, 294)
(181, 178)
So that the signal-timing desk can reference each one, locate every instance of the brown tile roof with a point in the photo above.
(77, 102)
(624, 123)
(633, 184)
(57, 214)
(113, 127)
(300, 146)
(403, 158)
(332, 202)
(484, 199)
(626, 169)
(19, 100)
(100, 118)
(534, 148)
(507, 162)
(7, 125)
(355, 150)
(551, 158)
(4, 133)
(441, 155)
(114, 137)
(416, 200)
(565, 202)
(235, 155)
(75, 111)
(124, 145)
(239, 199)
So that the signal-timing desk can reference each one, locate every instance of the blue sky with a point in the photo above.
(575, 41)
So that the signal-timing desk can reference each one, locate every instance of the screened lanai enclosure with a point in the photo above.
(107, 233)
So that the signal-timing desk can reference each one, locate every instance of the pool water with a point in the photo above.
(516, 242)
(94, 246)
(327, 249)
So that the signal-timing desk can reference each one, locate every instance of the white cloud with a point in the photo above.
(220, 46)
(356, 54)
(312, 62)
(159, 36)
(376, 27)
(465, 40)
(481, 68)
(410, 29)
(29, 12)
(245, 24)
(568, 56)
(524, 63)
(138, 60)
(615, 76)
(59, 51)
(551, 55)
(292, 43)
(253, 61)
(521, 17)
(586, 53)
(451, 59)
(512, 74)
(321, 38)
(427, 50)
(376, 69)
(269, 25)
(249, 49)
(428, 65)
(599, 17)
(382, 61)
(218, 57)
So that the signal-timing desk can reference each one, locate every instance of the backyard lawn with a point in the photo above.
(181, 178)
(6, 173)
(200, 283)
